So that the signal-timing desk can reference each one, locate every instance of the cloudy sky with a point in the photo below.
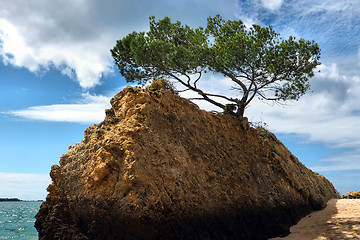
(57, 76)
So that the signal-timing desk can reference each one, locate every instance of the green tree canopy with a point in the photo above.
(256, 59)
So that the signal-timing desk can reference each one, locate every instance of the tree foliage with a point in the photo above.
(256, 59)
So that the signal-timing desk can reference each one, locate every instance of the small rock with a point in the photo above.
(352, 195)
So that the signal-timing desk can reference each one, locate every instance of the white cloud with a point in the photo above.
(272, 4)
(75, 36)
(330, 5)
(90, 110)
(13, 45)
(88, 61)
(331, 23)
(25, 186)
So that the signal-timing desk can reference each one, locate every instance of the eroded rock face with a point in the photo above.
(160, 168)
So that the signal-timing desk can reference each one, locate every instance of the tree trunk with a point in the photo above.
(241, 109)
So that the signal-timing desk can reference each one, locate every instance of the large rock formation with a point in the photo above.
(158, 167)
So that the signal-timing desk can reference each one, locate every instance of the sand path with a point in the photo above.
(340, 220)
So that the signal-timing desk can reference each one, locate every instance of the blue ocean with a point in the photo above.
(17, 220)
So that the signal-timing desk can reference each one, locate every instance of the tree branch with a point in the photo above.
(266, 98)
(255, 91)
(196, 99)
(220, 96)
(197, 79)
(233, 78)
(274, 79)
(183, 90)
(201, 93)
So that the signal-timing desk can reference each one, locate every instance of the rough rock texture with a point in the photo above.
(352, 195)
(160, 168)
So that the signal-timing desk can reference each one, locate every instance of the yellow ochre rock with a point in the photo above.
(158, 167)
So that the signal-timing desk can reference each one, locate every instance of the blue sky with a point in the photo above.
(57, 77)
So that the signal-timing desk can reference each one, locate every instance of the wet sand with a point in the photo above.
(339, 220)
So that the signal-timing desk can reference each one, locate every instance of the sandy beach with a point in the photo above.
(339, 220)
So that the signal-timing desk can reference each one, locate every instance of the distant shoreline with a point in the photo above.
(17, 200)
(10, 200)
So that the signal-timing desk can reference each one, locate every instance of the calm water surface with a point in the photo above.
(17, 220)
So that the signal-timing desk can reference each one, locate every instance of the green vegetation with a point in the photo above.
(318, 174)
(261, 128)
(259, 62)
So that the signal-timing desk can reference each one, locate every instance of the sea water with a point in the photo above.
(17, 220)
